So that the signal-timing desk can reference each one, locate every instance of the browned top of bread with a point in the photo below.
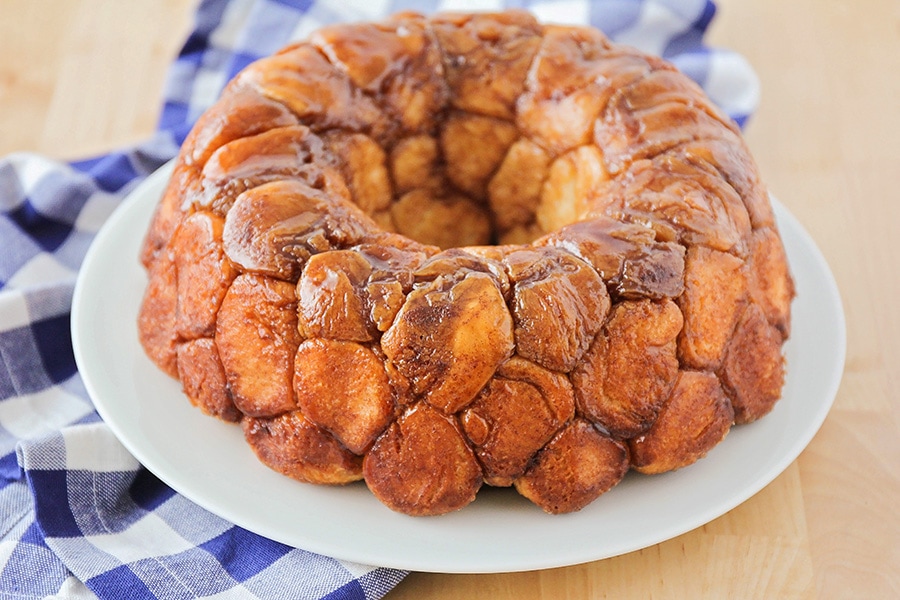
(433, 252)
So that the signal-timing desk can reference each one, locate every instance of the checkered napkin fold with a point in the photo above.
(79, 517)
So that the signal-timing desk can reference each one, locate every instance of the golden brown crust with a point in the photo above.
(771, 286)
(449, 338)
(432, 252)
(574, 468)
(422, 464)
(486, 58)
(696, 417)
(344, 388)
(293, 446)
(158, 315)
(715, 293)
(423, 215)
(559, 304)
(514, 415)
(256, 333)
(184, 182)
(203, 274)
(630, 369)
(399, 60)
(753, 369)
(203, 379)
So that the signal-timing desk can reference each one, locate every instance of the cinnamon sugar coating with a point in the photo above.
(434, 253)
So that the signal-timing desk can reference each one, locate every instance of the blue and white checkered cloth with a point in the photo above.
(79, 517)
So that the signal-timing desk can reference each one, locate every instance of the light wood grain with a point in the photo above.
(84, 76)
(79, 78)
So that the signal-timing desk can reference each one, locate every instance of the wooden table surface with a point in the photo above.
(78, 77)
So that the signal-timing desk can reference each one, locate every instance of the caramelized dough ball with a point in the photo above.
(682, 200)
(398, 59)
(414, 165)
(272, 229)
(640, 122)
(571, 182)
(331, 297)
(393, 264)
(450, 337)
(291, 445)
(446, 221)
(694, 419)
(664, 85)
(515, 189)
(559, 304)
(656, 273)
(362, 162)
(631, 367)
(368, 53)
(486, 58)
(514, 415)
(422, 465)
(257, 333)
(473, 147)
(184, 182)
(203, 274)
(157, 315)
(714, 295)
(203, 379)
(573, 469)
(569, 84)
(627, 136)
(753, 369)
(274, 155)
(771, 286)
(318, 93)
(454, 264)
(730, 157)
(355, 294)
(626, 256)
(343, 388)
(250, 113)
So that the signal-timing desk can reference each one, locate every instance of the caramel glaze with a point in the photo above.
(433, 253)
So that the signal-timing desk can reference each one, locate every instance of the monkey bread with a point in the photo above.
(433, 253)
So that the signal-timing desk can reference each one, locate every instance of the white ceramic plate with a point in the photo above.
(208, 461)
